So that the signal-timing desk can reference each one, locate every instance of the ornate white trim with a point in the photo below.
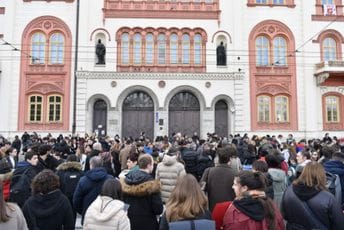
(160, 76)
(328, 89)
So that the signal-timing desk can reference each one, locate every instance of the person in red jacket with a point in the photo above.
(251, 209)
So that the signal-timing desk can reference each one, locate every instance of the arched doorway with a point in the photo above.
(100, 117)
(138, 115)
(184, 114)
(221, 118)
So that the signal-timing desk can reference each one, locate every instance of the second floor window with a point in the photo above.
(280, 51)
(38, 48)
(149, 48)
(186, 49)
(262, 51)
(125, 48)
(137, 49)
(56, 48)
(174, 49)
(327, 2)
(198, 49)
(161, 49)
(329, 49)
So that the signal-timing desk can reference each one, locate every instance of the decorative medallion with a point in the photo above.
(113, 84)
(207, 84)
(162, 84)
(47, 25)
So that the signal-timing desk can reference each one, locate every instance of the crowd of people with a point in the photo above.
(177, 182)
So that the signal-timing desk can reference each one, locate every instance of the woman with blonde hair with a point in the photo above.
(307, 204)
(187, 202)
(11, 217)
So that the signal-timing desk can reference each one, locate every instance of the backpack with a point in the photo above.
(20, 189)
(334, 186)
(201, 224)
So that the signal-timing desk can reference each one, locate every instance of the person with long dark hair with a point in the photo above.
(11, 217)
(251, 209)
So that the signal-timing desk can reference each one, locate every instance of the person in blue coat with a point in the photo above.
(89, 186)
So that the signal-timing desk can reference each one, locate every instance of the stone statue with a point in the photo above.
(100, 51)
(221, 57)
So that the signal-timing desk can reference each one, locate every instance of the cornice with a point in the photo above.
(159, 76)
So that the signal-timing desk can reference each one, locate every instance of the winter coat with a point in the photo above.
(168, 172)
(248, 214)
(16, 221)
(142, 193)
(336, 167)
(70, 174)
(49, 211)
(106, 213)
(279, 184)
(322, 203)
(88, 188)
(219, 181)
(164, 224)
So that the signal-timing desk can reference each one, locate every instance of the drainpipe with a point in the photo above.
(75, 64)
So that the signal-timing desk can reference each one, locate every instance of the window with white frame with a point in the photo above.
(281, 109)
(149, 48)
(332, 109)
(56, 48)
(125, 48)
(54, 108)
(38, 48)
(137, 49)
(174, 49)
(329, 49)
(264, 108)
(262, 51)
(186, 49)
(161, 49)
(35, 108)
(198, 49)
(280, 51)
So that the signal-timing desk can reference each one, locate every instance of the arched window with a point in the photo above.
(38, 49)
(149, 48)
(198, 49)
(137, 48)
(329, 49)
(332, 109)
(35, 108)
(54, 108)
(125, 48)
(262, 51)
(281, 109)
(280, 51)
(174, 49)
(264, 107)
(186, 49)
(161, 49)
(56, 48)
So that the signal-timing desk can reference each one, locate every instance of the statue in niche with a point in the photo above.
(100, 51)
(221, 58)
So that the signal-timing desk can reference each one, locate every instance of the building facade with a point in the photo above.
(250, 66)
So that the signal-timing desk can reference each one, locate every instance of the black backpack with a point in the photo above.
(20, 188)
(334, 186)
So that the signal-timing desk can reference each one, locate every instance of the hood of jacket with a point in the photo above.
(251, 207)
(335, 167)
(47, 205)
(96, 174)
(69, 166)
(304, 192)
(169, 160)
(277, 174)
(139, 183)
(104, 208)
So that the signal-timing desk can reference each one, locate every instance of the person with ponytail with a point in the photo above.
(11, 217)
(251, 209)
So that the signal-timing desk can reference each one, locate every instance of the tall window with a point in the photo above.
(174, 49)
(56, 48)
(198, 49)
(280, 51)
(281, 109)
(54, 108)
(332, 109)
(149, 48)
(35, 108)
(125, 48)
(161, 49)
(38, 49)
(264, 108)
(186, 49)
(329, 49)
(137, 48)
(327, 2)
(262, 51)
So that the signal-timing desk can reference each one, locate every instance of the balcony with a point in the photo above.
(326, 69)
